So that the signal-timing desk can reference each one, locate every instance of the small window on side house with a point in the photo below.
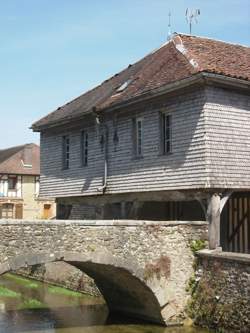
(84, 148)
(166, 131)
(12, 183)
(66, 147)
(138, 137)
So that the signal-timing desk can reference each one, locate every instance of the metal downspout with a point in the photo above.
(105, 177)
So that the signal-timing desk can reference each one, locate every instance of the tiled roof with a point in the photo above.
(11, 160)
(178, 59)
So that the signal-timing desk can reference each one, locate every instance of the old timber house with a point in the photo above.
(168, 138)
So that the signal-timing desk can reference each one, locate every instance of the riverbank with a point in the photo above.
(32, 306)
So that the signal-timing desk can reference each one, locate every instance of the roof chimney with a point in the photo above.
(27, 156)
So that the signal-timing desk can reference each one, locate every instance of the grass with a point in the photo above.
(63, 291)
(23, 281)
(5, 292)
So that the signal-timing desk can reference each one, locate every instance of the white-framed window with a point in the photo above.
(84, 148)
(66, 151)
(138, 136)
(166, 133)
(8, 210)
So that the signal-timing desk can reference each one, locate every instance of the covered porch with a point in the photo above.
(227, 212)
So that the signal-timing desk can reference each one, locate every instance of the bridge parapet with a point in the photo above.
(141, 267)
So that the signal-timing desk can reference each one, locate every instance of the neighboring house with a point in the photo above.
(167, 138)
(19, 184)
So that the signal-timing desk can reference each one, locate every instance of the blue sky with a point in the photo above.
(51, 51)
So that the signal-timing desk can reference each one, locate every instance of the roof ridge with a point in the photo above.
(19, 146)
(13, 147)
(15, 152)
(185, 52)
(11, 162)
(210, 38)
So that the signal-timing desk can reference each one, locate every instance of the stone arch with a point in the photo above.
(120, 281)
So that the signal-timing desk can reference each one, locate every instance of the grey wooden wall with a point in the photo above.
(211, 147)
(227, 123)
(184, 168)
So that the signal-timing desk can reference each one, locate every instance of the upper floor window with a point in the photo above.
(12, 182)
(84, 148)
(166, 130)
(138, 137)
(66, 147)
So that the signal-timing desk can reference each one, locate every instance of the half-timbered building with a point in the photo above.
(19, 184)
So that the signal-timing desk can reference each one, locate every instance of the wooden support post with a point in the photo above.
(123, 210)
(100, 212)
(213, 217)
(134, 211)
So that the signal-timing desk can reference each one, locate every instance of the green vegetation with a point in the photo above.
(197, 245)
(5, 292)
(28, 283)
(31, 303)
(63, 291)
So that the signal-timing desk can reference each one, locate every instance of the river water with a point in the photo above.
(34, 307)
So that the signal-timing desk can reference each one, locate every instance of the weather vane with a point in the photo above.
(192, 14)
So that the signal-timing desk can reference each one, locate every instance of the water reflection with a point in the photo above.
(33, 307)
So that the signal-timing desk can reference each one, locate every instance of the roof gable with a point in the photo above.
(178, 59)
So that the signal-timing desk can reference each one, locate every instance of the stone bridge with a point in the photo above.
(140, 267)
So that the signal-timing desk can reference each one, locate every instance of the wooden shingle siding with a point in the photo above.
(183, 169)
(227, 122)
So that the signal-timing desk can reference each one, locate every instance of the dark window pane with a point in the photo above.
(166, 133)
(84, 148)
(66, 151)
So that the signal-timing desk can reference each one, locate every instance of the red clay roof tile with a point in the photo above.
(180, 58)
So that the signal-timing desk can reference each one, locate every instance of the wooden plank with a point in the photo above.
(235, 232)
(230, 228)
(240, 218)
(234, 239)
(245, 225)
(248, 225)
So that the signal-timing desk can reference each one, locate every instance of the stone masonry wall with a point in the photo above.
(221, 292)
(61, 274)
(160, 249)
